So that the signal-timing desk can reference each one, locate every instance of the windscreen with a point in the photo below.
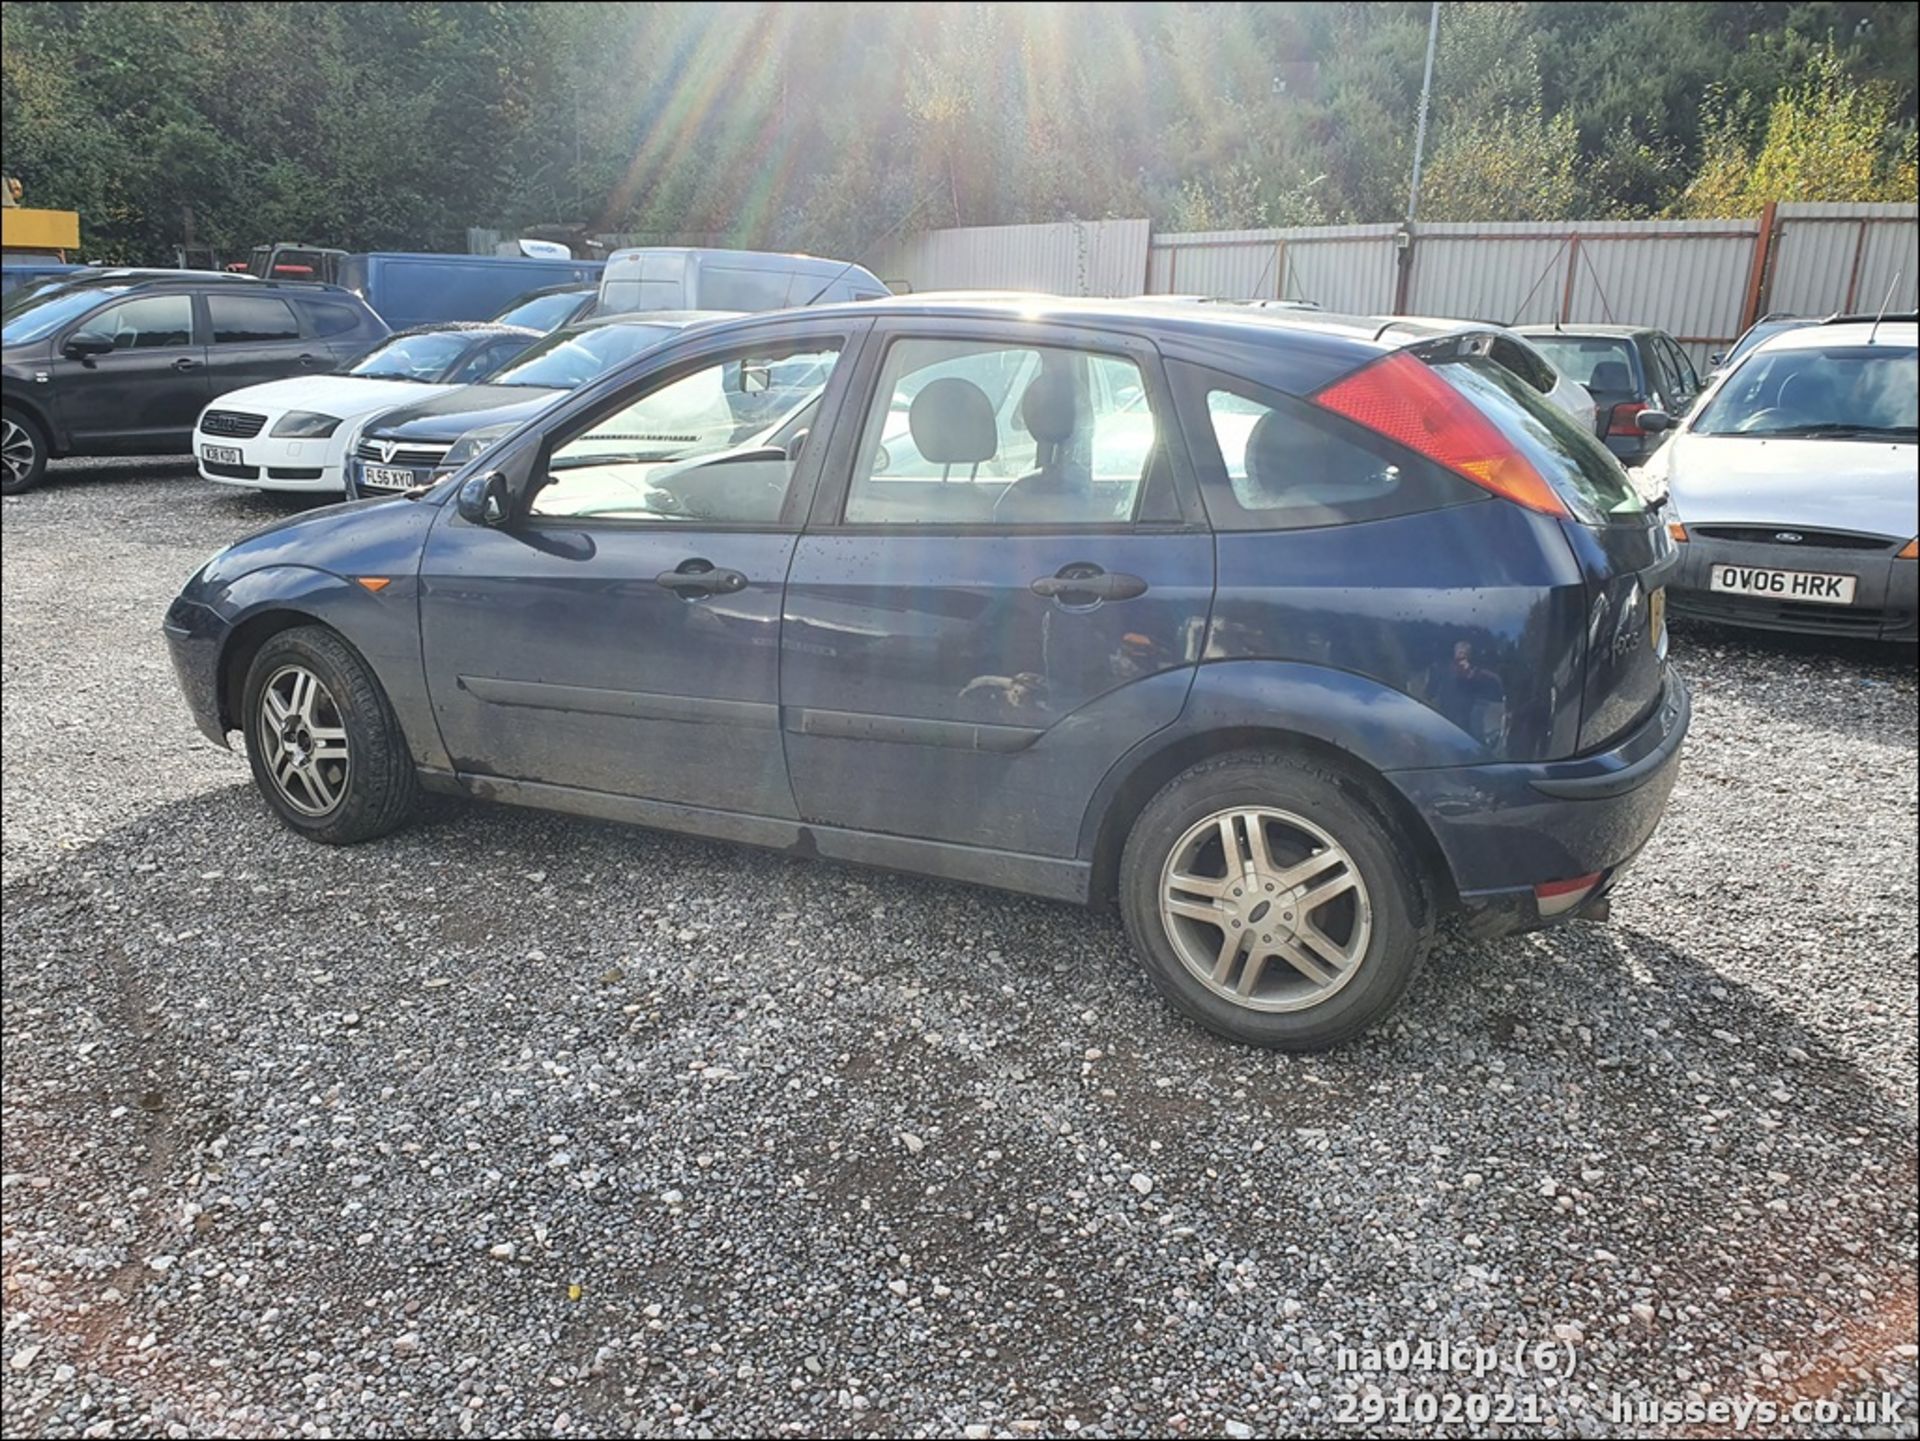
(572, 358)
(1853, 392)
(1581, 470)
(41, 315)
(412, 357)
(543, 312)
(1597, 362)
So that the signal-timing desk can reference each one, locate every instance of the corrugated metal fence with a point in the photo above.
(1702, 280)
(1072, 257)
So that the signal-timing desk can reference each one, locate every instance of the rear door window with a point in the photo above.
(251, 319)
(973, 433)
(1272, 462)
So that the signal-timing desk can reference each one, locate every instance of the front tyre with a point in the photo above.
(23, 452)
(325, 746)
(1270, 902)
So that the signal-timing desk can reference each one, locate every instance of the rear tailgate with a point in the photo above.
(1627, 568)
(1625, 554)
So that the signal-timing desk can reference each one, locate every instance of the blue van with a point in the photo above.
(409, 289)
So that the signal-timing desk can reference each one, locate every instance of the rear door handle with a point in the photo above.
(309, 360)
(1080, 584)
(186, 362)
(696, 577)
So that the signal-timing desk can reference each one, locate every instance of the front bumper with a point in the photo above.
(1886, 605)
(270, 463)
(195, 634)
(358, 489)
(1505, 829)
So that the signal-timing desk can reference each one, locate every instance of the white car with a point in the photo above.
(1516, 353)
(294, 434)
(1793, 485)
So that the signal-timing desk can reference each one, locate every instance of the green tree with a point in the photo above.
(1826, 137)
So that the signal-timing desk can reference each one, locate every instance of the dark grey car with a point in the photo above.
(1629, 370)
(123, 363)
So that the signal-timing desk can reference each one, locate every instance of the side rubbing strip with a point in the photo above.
(911, 730)
(634, 704)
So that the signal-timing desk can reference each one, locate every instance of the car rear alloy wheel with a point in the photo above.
(1271, 898)
(23, 453)
(1265, 909)
(305, 741)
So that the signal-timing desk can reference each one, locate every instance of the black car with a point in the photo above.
(551, 307)
(417, 444)
(121, 363)
(1628, 370)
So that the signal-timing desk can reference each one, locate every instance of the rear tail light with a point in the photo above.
(1677, 531)
(1910, 551)
(1401, 398)
(1556, 898)
(1624, 418)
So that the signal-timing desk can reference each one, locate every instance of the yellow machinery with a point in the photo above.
(50, 233)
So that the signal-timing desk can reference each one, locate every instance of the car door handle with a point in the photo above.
(1081, 584)
(309, 360)
(699, 577)
(186, 362)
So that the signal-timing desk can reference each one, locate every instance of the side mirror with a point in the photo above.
(794, 446)
(1717, 359)
(485, 500)
(85, 344)
(1653, 422)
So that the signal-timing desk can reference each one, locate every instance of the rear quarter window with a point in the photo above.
(329, 317)
(1269, 461)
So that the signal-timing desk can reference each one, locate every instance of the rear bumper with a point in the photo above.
(1505, 829)
(194, 635)
(1886, 605)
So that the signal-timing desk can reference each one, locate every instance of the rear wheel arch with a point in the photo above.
(1149, 773)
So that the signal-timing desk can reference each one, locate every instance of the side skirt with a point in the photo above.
(1060, 880)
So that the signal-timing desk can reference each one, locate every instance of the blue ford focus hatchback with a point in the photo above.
(1286, 636)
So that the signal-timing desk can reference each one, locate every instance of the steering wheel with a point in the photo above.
(1774, 417)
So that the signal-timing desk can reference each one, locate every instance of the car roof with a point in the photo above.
(131, 279)
(473, 327)
(1583, 331)
(1140, 315)
(568, 287)
(1901, 334)
(673, 319)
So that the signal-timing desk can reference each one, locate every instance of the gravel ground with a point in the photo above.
(514, 1124)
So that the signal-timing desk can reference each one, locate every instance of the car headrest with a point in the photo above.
(1610, 375)
(1047, 409)
(951, 421)
(1266, 457)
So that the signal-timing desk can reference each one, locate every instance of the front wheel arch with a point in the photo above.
(243, 644)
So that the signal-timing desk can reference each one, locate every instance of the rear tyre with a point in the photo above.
(1271, 902)
(23, 452)
(325, 746)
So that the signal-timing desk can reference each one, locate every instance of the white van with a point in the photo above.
(665, 277)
